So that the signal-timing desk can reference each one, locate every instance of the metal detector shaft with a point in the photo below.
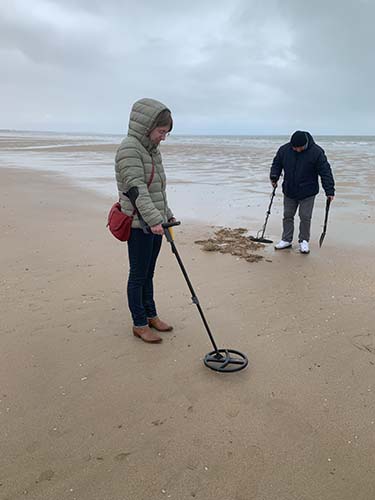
(194, 297)
(260, 237)
(268, 213)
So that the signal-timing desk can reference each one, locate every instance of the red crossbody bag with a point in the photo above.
(120, 224)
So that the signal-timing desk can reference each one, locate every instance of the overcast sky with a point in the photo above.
(234, 66)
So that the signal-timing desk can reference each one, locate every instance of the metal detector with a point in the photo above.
(261, 238)
(322, 236)
(220, 360)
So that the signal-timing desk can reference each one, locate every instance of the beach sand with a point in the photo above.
(88, 412)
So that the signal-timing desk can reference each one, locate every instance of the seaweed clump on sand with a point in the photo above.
(234, 242)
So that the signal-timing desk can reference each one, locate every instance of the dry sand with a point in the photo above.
(88, 412)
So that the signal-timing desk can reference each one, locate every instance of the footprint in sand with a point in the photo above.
(122, 456)
(46, 475)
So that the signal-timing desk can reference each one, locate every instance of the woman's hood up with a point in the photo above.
(143, 115)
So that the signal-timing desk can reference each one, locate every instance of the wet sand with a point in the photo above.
(215, 180)
(88, 412)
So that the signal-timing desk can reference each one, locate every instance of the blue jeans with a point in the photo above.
(143, 251)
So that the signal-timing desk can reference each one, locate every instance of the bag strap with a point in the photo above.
(152, 173)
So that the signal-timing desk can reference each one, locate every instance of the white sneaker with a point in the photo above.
(283, 244)
(304, 247)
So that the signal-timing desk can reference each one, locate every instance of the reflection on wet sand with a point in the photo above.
(217, 180)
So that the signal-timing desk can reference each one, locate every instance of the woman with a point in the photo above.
(139, 164)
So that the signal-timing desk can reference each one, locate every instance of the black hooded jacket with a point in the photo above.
(301, 171)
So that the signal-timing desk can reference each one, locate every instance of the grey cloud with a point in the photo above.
(242, 66)
(54, 37)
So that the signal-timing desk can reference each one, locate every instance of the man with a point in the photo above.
(302, 162)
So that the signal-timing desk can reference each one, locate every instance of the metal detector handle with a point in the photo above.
(167, 232)
(133, 194)
(165, 225)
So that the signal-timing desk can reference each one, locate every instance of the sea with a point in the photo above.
(217, 180)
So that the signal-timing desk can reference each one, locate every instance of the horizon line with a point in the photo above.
(203, 134)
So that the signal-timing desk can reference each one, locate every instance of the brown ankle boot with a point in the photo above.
(159, 325)
(146, 334)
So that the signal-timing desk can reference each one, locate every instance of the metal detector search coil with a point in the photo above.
(226, 360)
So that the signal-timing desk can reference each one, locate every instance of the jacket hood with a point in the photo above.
(311, 140)
(142, 118)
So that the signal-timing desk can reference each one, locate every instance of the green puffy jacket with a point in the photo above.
(133, 166)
